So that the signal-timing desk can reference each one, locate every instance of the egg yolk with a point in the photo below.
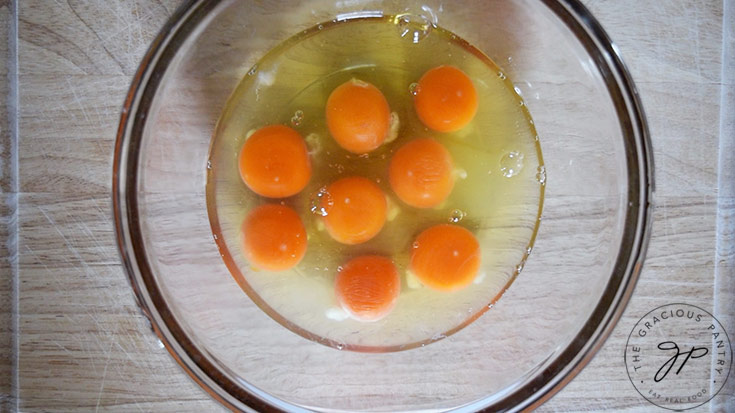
(358, 116)
(445, 257)
(274, 162)
(445, 99)
(355, 209)
(420, 173)
(274, 238)
(367, 287)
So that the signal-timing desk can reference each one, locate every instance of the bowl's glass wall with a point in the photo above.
(540, 314)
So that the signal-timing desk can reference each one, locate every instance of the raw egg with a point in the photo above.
(274, 238)
(274, 162)
(354, 209)
(358, 116)
(445, 99)
(420, 173)
(367, 287)
(445, 257)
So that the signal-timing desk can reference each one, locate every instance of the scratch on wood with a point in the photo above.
(104, 376)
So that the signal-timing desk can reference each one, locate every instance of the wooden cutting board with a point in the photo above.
(71, 335)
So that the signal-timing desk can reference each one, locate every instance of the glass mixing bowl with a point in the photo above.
(573, 288)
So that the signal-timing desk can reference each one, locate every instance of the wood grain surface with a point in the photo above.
(83, 343)
(8, 205)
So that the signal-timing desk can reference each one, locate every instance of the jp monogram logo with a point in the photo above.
(678, 356)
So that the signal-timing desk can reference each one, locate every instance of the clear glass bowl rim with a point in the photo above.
(570, 361)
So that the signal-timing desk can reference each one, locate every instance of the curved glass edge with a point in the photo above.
(532, 394)
(638, 220)
(146, 80)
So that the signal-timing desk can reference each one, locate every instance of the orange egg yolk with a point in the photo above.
(420, 173)
(358, 116)
(367, 287)
(445, 257)
(274, 162)
(274, 238)
(445, 99)
(355, 209)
